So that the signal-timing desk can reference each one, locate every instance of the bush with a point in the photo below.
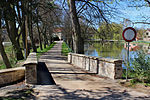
(141, 66)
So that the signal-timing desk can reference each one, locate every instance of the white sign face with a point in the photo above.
(129, 34)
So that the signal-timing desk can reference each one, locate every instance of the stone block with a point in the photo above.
(107, 69)
(31, 69)
(69, 58)
(87, 62)
(11, 75)
(93, 65)
(31, 74)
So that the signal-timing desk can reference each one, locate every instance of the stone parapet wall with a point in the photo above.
(111, 68)
(31, 69)
(8, 76)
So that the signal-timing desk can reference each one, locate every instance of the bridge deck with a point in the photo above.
(74, 83)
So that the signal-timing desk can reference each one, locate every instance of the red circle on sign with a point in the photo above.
(123, 34)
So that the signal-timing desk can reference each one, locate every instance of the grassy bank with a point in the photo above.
(13, 60)
(65, 49)
(40, 52)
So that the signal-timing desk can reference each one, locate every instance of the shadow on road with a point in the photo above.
(44, 77)
(82, 94)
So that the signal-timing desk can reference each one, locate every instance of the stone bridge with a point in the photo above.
(80, 78)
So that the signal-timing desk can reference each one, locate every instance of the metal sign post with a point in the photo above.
(129, 35)
(127, 62)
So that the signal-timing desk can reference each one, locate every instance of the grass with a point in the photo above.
(40, 52)
(65, 49)
(2, 65)
(131, 74)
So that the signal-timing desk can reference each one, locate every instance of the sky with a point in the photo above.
(135, 14)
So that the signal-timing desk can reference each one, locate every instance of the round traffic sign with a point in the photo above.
(129, 34)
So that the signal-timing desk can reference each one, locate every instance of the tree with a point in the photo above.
(110, 31)
(12, 29)
(91, 12)
(47, 18)
(3, 53)
(78, 43)
(30, 25)
(67, 29)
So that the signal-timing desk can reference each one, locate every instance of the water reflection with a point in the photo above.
(108, 50)
(115, 50)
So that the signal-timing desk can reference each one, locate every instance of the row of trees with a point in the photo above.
(27, 18)
(38, 18)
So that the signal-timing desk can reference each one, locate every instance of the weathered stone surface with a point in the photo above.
(110, 60)
(31, 74)
(87, 60)
(83, 62)
(93, 65)
(11, 75)
(31, 69)
(32, 59)
(69, 58)
(107, 69)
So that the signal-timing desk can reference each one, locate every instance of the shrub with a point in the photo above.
(141, 66)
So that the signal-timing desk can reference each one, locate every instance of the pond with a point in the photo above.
(116, 50)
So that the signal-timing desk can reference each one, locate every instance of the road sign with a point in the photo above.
(129, 34)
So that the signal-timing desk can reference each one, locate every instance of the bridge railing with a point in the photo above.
(111, 68)
(31, 69)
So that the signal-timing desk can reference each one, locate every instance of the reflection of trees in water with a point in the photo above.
(112, 49)
(109, 49)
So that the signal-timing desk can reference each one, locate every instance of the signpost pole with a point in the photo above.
(127, 62)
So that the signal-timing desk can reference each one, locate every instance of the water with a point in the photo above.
(117, 50)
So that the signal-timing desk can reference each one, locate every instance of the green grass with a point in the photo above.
(65, 49)
(131, 74)
(2, 65)
(40, 52)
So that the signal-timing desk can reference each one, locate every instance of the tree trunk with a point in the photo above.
(78, 42)
(38, 28)
(50, 36)
(3, 53)
(11, 29)
(31, 30)
(45, 38)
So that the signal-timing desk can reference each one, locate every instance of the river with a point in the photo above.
(116, 50)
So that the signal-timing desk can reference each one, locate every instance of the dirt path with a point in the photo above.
(73, 83)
